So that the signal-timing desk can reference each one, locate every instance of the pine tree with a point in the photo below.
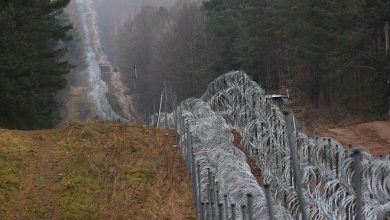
(32, 64)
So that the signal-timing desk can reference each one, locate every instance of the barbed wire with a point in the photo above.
(234, 101)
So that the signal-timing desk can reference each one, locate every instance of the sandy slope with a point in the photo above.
(86, 95)
(374, 136)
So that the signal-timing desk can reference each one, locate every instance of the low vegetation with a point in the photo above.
(93, 171)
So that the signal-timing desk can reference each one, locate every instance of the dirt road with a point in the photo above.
(374, 136)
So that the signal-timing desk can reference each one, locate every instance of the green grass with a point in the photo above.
(91, 171)
(13, 156)
(98, 166)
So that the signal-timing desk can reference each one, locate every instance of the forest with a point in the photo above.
(32, 62)
(329, 54)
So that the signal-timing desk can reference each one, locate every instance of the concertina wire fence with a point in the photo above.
(331, 182)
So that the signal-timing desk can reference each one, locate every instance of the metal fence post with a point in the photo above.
(233, 209)
(209, 176)
(175, 118)
(207, 210)
(358, 184)
(226, 207)
(212, 211)
(186, 151)
(181, 121)
(220, 211)
(199, 182)
(209, 192)
(202, 213)
(213, 183)
(337, 163)
(217, 196)
(293, 150)
(166, 104)
(159, 110)
(243, 212)
(194, 182)
(250, 206)
(212, 195)
(154, 112)
(269, 202)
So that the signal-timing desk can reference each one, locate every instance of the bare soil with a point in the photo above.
(373, 136)
(252, 164)
(118, 97)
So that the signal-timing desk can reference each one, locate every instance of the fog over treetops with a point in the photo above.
(322, 59)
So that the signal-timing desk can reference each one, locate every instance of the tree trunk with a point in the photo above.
(316, 89)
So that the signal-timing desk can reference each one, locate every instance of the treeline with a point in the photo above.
(32, 63)
(331, 53)
(327, 53)
(111, 16)
(165, 45)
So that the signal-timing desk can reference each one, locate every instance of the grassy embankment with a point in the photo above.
(93, 171)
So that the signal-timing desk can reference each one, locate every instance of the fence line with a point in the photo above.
(335, 183)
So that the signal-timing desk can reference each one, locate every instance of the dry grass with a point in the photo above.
(93, 171)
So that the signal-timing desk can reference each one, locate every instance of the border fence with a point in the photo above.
(302, 177)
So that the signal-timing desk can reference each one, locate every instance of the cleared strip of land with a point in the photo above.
(93, 171)
(374, 136)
